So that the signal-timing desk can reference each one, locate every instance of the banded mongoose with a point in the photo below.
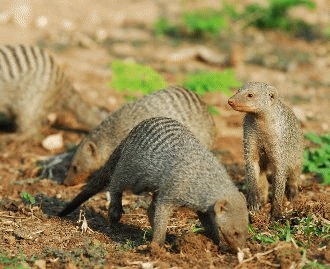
(32, 85)
(273, 142)
(173, 102)
(160, 155)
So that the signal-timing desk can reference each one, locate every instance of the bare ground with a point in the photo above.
(86, 37)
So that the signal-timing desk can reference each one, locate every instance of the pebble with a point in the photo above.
(53, 142)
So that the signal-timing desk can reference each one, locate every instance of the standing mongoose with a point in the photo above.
(173, 102)
(160, 155)
(273, 142)
(32, 85)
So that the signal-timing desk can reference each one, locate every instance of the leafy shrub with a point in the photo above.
(193, 24)
(134, 77)
(317, 160)
(203, 21)
(275, 15)
(203, 82)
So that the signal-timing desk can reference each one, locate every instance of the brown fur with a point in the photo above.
(162, 156)
(32, 85)
(273, 142)
(173, 102)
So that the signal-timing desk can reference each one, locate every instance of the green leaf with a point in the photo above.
(203, 82)
(314, 138)
(27, 198)
(135, 77)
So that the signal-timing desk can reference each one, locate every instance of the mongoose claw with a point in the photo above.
(254, 203)
(255, 207)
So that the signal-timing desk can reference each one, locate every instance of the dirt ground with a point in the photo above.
(86, 36)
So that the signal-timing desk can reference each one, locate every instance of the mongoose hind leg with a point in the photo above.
(291, 188)
(161, 216)
(263, 177)
(151, 210)
(116, 207)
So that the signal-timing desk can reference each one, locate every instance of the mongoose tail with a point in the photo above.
(96, 183)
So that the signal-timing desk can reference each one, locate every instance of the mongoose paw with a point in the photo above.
(276, 214)
(291, 192)
(115, 214)
(254, 202)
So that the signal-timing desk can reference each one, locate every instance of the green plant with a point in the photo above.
(203, 82)
(197, 229)
(315, 265)
(134, 77)
(301, 230)
(13, 262)
(27, 198)
(275, 15)
(317, 159)
(197, 23)
(203, 22)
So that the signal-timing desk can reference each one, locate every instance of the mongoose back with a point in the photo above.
(173, 102)
(160, 155)
(273, 142)
(32, 85)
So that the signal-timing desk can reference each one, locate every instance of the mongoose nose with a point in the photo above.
(230, 102)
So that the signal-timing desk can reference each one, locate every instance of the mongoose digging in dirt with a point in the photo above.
(160, 155)
(173, 102)
(273, 142)
(32, 85)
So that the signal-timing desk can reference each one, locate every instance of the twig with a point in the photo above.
(13, 217)
(258, 255)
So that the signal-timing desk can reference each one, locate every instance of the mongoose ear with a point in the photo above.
(91, 149)
(272, 93)
(220, 207)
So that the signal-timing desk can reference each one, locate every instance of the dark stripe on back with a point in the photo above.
(7, 63)
(17, 60)
(34, 55)
(27, 60)
(44, 62)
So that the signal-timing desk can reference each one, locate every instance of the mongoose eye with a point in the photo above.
(271, 96)
(74, 168)
(250, 95)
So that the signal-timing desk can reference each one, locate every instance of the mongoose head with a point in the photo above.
(231, 216)
(85, 162)
(254, 97)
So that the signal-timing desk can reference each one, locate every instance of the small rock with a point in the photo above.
(41, 264)
(53, 142)
(42, 21)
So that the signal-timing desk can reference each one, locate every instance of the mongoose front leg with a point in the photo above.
(252, 178)
(209, 225)
(278, 193)
(161, 216)
(116, 207)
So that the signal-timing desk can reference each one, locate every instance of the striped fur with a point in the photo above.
(33, 85)
(174, 102)
(160, 155)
